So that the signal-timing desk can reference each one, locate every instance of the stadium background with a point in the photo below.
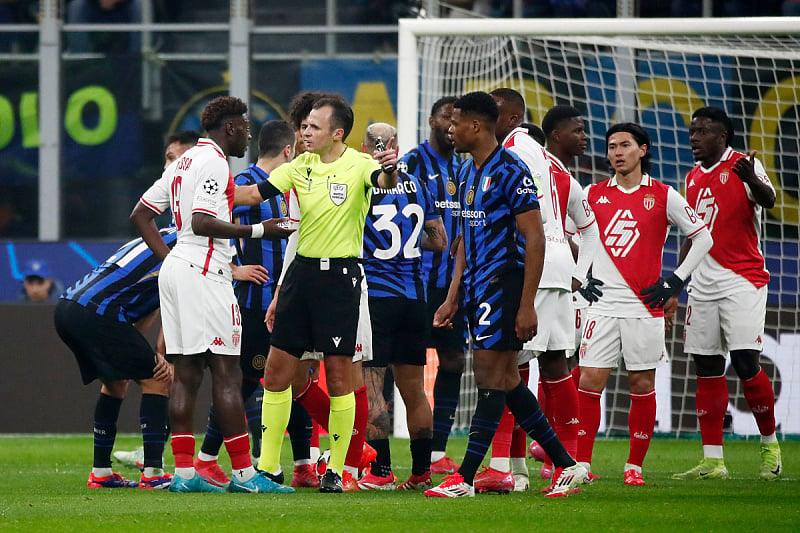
(116, 109)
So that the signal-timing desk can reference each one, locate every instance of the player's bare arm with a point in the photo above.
(143, 218)
(531, 228)
(434, 236)
(209, 226)
(763, 194)
(443, 316)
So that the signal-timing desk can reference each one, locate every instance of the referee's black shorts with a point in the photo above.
(105, 348)
(318, 306)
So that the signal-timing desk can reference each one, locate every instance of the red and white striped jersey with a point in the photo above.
(728, 208)
(633, 228)
(199, 181)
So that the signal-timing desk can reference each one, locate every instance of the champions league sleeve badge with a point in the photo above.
(210, 186)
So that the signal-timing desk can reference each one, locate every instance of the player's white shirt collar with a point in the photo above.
(522, 131)
(205, 141)
(647, 181)
(556, 162)
(726, 155)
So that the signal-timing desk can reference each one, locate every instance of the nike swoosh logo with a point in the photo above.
(482, 337)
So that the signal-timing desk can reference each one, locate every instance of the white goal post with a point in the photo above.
(655, 72)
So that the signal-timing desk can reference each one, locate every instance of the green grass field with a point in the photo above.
(43, 488)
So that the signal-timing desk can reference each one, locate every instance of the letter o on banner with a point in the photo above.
(107, 115)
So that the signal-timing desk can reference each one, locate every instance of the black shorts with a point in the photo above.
(445, 339)
(318, 306)
(255, 343)
(104, 348)
(493, 316)
(398, 326)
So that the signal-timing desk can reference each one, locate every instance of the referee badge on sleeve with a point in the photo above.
(338, 193)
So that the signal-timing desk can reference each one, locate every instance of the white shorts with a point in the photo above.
(363, 335)
(735, 322)
(580, 321)
(638, 341)
(198, 313)
(554, 308)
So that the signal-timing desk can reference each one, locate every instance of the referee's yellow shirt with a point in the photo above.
(334, 199)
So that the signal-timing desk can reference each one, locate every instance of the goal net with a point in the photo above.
(655, 72)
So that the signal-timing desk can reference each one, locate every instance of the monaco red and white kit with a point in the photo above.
(200, 181)
(198, 306)
(633, 228)
(726, 204)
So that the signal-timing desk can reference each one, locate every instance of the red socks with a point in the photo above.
(711, 401)
(316, 402)
(183, 449)
(641, 422)
(565, 419)
(761, 398)
(238, 448)
(356, 448)
(589, 402)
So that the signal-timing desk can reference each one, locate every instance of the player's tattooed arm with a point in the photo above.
(434, 237)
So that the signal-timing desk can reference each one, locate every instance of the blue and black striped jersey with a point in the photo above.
(439, 175)
(268, 253)
(124, 286)
(392, 236)
(492, 196)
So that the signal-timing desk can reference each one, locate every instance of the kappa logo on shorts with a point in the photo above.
(338, 193)
(218, 342)
(358, 348)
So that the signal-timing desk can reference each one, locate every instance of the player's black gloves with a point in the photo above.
(657, 295)
(590, 289)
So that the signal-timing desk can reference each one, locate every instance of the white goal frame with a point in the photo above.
(414, 100)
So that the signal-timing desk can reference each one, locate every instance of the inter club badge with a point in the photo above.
(451, 187)
(649, 201)
(470, 197)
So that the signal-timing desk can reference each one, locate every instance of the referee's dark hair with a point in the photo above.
(639, 135)
(274, 136)
(183, 137)
(221, 109)
(441, 102)
(719, 116)
(478, 103)
(342, 113)
(556, 116)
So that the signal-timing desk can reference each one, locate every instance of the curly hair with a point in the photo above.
(302, 103)
(219, 110)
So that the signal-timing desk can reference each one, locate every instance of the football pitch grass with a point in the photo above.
(43, 488)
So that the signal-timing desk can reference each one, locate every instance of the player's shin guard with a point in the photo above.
(276, 408)
(487, 415)
(761, 399)
(526, 410)
(589, 401)
(641, 421)
(711, 402)
(354, 451)
(106, 413)
(342, 417)
(445, 400)
(153, 423)
(562, 393)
